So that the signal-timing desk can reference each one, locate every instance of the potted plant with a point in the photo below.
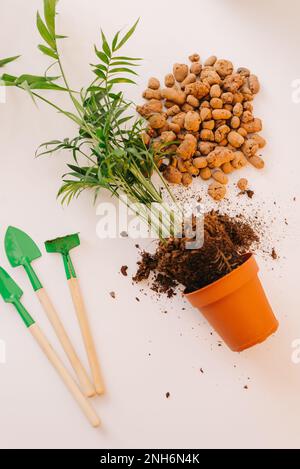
(109, 153)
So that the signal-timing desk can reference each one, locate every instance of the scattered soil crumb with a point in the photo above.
(250, 193)
(201, 370)
(124, 234)
(167, 395)
(123, 270)
(137, 299)
(137, 246)
(164, 284)
(112, 294)
(274, 254)
(246, 387)
(247, 192)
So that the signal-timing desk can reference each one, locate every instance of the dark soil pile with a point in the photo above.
(226, 241)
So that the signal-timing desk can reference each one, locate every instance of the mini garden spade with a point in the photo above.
(63, 246)
(11, 293)
(22, 250)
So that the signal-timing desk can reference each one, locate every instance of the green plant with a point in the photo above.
(108, 151)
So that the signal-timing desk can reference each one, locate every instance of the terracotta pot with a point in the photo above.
(237, 308)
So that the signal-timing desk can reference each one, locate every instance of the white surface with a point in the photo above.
(205, 410)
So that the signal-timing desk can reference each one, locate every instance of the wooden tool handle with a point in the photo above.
(65, 375)
(86, 334)
(66, 343)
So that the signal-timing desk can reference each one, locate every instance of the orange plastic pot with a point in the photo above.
(237, 308)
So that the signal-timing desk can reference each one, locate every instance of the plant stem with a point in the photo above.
(36, 95)
(75, 102)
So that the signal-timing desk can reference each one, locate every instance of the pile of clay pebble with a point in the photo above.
(201, 124)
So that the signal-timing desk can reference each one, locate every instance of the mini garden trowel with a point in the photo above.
(63, 246)
(22, 250)
(11, 293)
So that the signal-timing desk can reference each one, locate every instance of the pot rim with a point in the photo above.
(211, 291)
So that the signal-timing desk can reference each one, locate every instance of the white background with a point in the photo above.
(204, 410)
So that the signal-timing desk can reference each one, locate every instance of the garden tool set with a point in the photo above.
(21, 250)
(63, 246)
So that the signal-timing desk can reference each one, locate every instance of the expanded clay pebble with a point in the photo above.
(242, 184)
(217, 191)
(204, 114)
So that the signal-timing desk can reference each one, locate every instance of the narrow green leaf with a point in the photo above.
(35, 78)
(103, 57)
(127, 35)
(49, 12)
(114, 95)
(58, 144)
(72, 116)
(77, 169)
(96, 88)
(8, 60)
(8, 78)
(122, 70)
(115, 41)
(45, 34)
(105, 46)
(46, 86)
(124, 119)
(47, 51)
(131, 59)
(121, 80)
(100, 66)
(127, 64)
(99, 74)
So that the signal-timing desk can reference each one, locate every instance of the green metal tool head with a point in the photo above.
(11, 293)
(63, 246)
(9, 290)
(22, 250)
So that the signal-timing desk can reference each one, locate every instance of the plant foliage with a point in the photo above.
(108, 151)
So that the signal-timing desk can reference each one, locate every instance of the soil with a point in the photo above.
(164, 284)
(123, 270)
(226, 241)
(248, 192)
